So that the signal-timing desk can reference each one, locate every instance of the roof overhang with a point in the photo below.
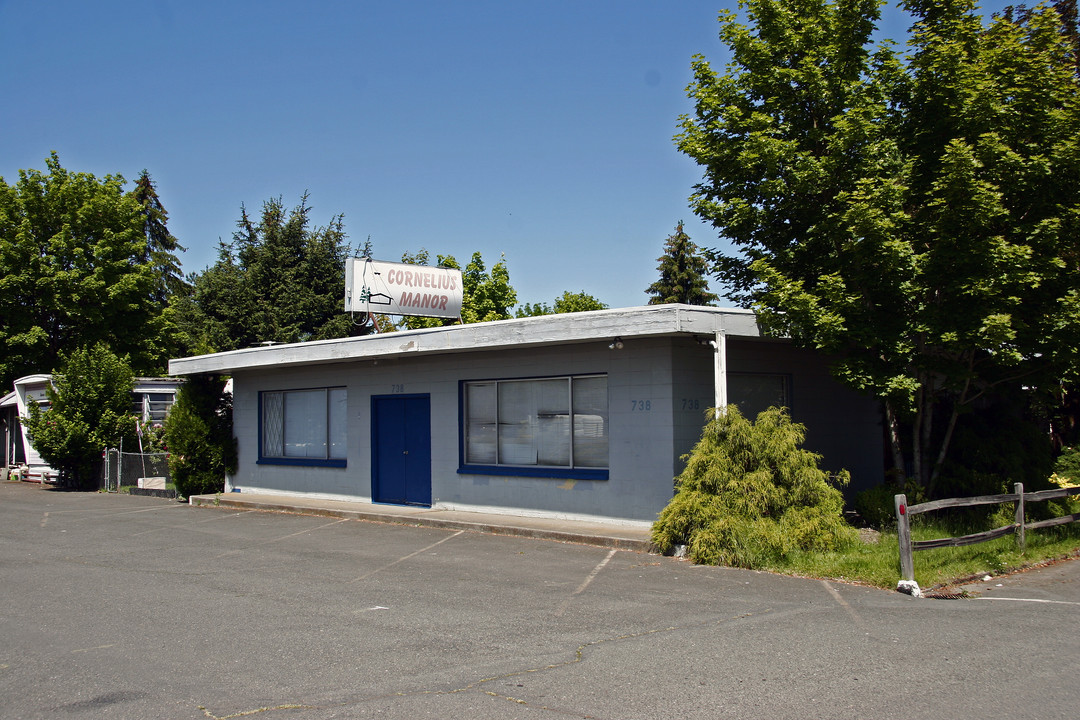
(150, 385)
(544, 330)
(141, 384)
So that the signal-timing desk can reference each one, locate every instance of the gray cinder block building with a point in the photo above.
(582, 415)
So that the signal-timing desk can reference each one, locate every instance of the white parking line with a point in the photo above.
(278, 539)
(95, 514)
(1031, 600)
(844, 604)
(581, 588)
(187, 525)
(403, 559)
(106, 512)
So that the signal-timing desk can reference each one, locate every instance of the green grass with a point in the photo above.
(878, 563)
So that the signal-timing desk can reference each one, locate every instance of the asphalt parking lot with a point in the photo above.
(116, 606)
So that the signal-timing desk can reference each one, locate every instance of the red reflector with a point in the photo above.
(903, 509)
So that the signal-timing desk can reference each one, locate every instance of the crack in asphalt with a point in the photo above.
(580, 654)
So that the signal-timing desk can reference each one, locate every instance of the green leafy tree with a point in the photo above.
(683, 273)
(74, 271)
(751, 495)
(1066, 10)
(199, 435)
(914, 216)
(568, 302)
(279, 280)
(486, 295)
(89, 410)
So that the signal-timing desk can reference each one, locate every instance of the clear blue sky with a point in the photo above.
(539, 130)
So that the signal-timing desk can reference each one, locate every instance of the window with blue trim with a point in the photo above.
(304, 426)
(544, 423)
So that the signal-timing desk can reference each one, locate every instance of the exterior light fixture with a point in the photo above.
(616, 344)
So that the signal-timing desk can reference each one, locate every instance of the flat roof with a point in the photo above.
(544, 330)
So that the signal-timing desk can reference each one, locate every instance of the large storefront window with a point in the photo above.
(545, 426)
(303, 427)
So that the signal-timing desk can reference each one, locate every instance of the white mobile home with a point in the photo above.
(582, 415)
(151, 399)
(18, 452)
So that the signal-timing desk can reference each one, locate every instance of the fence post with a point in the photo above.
(903, 532)
(1021, 537)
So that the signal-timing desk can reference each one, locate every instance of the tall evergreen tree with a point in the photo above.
(199, 433)
(279, 280)
(683, 273)
(161, 246)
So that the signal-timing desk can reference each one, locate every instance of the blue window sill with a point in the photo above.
(306, 462)
(545, 472)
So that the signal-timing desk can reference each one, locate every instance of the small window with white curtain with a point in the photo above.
(304, 427)
(538, 426)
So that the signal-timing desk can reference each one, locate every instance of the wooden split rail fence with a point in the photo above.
(1020, 527)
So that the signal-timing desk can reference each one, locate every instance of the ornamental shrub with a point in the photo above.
(199, 434)
(1067, 467)
(750, 495)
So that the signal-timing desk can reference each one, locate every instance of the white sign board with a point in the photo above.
(374, 286)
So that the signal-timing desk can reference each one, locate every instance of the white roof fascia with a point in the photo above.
(34, 379)
(649, 320)
(17, 397)
(24, 386)
(149, 385)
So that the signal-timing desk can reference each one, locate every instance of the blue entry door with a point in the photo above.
(401, 449)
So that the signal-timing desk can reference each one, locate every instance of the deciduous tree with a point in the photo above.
(914, 215)
(75, 269)
(486, 295)
(89, 409)
(568, 302)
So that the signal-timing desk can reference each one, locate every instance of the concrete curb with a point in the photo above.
(497, 525)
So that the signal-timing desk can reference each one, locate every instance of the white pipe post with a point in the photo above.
(720, 373)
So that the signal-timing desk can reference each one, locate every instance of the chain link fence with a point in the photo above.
(124, 471)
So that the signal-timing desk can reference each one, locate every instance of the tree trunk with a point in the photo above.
(927, 441)
(916, 437)
(895, 443)
(947, 440)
